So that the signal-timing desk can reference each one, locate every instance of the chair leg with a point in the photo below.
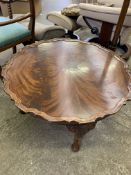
(14, 49)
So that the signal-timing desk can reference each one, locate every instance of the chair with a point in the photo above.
(66, 22)
(41, 30)
(21, 7)
(102, 20)
(101, 16)
(12, 32)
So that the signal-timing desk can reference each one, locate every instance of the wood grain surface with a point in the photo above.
(67, 80)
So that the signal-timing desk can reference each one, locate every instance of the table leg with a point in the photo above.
(14, 49)
(79, 131)
(22, 112)
(1, 73)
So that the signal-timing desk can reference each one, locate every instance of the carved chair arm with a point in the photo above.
(11, 21)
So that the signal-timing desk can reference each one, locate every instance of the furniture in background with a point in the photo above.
(102, 20)
(13, 33)
(44, 31)
(66, 22)
(69, 23)
(93, 16)
(41, 30)
(20, 6)
(55, 83)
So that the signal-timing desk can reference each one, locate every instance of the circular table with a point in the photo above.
(68, 81)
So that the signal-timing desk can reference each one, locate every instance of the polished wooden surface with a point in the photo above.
(67, 80)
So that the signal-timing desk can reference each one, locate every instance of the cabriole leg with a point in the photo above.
(79, 131)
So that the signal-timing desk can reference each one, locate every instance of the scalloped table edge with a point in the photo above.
(55, 119)
(78, 127)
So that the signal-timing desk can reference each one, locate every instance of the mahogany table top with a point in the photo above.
(67, 80)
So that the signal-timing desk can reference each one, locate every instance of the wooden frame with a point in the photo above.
(31, 15)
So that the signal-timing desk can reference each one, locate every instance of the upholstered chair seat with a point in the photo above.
(12, 33)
